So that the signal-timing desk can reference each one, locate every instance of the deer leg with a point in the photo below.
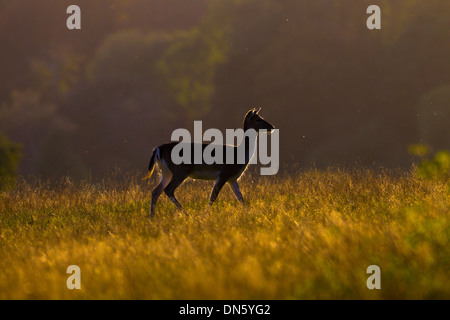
(235, 187)
(165, 179)
(220, 182)
(170, 189)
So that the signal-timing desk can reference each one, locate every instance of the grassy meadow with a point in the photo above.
(307, 236)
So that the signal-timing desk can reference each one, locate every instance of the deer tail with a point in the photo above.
(151, 165)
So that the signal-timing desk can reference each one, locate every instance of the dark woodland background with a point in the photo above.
(85, 102)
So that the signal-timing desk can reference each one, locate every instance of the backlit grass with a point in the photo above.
(308, 236)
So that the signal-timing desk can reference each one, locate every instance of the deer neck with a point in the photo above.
(250, 145)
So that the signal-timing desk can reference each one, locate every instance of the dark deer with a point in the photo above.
(174, 174)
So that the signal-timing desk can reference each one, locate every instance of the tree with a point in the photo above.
(188, 67)
(10, 154)
(29, 119)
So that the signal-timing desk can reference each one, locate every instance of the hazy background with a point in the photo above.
(83, 102)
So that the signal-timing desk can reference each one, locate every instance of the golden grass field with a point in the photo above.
(307, 236)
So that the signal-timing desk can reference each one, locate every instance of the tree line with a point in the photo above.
(84, 102)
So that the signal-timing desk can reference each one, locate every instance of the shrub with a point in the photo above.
(10, 154)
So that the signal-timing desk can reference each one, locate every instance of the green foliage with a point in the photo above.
(127, 59)
(9, 160)
(189, 68)
(432, 167)
(436, 168)
(56, 78)
(418, 149)
(29, 118)
(147, 66)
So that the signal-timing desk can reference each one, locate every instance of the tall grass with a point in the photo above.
(307, 236)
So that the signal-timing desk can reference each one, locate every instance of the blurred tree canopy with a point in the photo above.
(9, 161)
(87, 101)
(188, 68)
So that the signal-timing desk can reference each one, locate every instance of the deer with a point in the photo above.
(173, 175)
